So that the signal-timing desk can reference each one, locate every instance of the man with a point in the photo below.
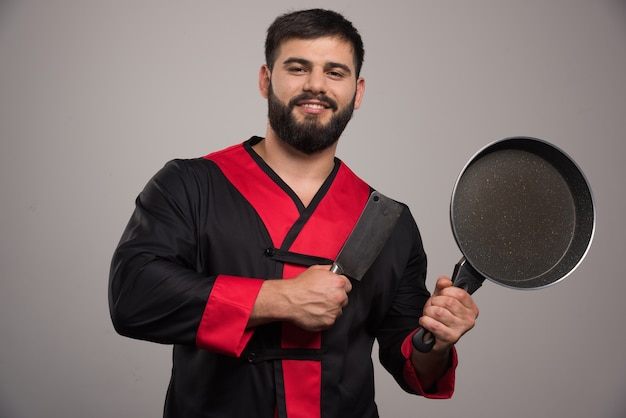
(200, 263)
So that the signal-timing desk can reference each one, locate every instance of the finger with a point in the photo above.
(321, 267)
(443, 334)
(446, 326)
(454, 316)
(347, 288)
(461, 295)
(443, 282)
(464, 309)
(441, 312)
(447, 303)
(347, 284)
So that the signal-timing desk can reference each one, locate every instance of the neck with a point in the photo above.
(303, 173)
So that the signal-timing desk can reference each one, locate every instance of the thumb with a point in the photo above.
(443, 282)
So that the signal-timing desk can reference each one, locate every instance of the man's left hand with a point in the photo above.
(448, 314)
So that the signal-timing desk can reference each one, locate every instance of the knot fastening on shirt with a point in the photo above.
(266, 354)
(295, 258)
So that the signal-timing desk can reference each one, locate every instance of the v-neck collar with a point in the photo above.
(319, 195)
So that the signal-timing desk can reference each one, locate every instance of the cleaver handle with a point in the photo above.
(335, 268)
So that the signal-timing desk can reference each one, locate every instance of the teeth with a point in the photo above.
(313, 106)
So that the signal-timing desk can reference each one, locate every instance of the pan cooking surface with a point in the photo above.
(514, 216)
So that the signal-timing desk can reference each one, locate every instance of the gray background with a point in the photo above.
(95, 96)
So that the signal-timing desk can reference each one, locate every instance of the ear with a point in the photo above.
(360, 91)
(264, 81)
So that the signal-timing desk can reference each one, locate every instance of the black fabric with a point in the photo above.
(296, 258)
(190, 224)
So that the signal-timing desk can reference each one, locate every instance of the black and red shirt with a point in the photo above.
(205, 234)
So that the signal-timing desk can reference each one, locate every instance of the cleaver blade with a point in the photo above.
(368, 237)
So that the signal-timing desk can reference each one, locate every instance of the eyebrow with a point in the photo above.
(308, 63)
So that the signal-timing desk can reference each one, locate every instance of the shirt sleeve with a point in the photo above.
(443, 389)
(223, 327)
(155, 293)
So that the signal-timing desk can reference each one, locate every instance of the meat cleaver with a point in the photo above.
(368, 237)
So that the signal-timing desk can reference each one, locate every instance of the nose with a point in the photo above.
(316, 82)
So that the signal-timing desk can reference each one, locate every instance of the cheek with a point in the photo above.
(346, 94)
(284, 89)
(350, 99)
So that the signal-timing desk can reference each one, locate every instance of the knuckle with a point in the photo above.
(439, 312)
(472, 322)
(448, 303)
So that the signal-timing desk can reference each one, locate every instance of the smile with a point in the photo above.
(314, 106)
(307, 102)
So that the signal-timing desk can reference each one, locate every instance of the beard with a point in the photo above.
(309, 136)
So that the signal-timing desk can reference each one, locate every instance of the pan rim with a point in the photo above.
(588, 225)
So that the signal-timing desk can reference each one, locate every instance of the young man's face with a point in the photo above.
(312, 91)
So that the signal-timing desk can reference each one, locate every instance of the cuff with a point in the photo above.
(443, 389)
(223, 327)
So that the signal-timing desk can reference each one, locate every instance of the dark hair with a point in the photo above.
(311, 24)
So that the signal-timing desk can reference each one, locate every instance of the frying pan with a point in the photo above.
(523, 216)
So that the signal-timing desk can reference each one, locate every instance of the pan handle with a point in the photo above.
(465, 277)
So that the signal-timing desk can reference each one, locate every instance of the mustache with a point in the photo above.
(307, 96)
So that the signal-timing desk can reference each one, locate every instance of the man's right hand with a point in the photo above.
(313, 300)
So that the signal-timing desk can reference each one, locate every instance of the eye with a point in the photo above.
(296, 70)
(336, 74)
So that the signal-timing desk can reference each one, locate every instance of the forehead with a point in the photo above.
(317, 50)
